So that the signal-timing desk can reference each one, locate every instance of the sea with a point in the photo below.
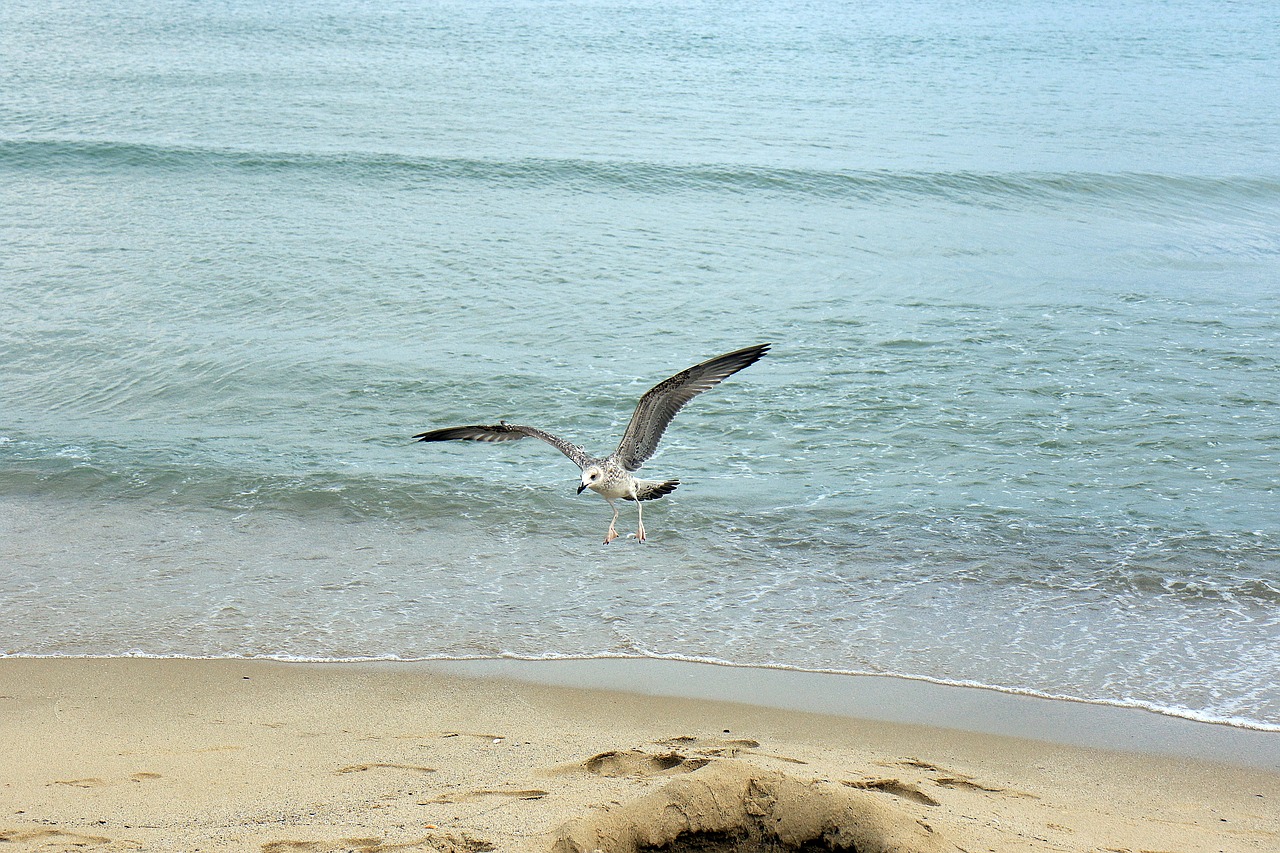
(1018, 261)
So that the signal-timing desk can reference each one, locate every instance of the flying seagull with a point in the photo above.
(610, 477)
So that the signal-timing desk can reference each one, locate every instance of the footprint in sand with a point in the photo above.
(690, 740)
(471, 796)
(893, 786)
(915, 763)
(45, 837)
(381, 765)
(93, 782)
(636, 762)
(438, 844)
(968, 783)
(726, 747)
(951, 779)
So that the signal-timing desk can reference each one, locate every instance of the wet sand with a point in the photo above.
(135, 754)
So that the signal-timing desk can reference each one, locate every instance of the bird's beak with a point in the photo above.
(581, 488)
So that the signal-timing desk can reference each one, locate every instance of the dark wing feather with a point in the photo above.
(648, 490)
(506, 432)
(661, 402)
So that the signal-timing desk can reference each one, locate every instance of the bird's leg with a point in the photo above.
(612, 534)
(639, 520)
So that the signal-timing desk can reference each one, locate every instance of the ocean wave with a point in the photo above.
(599, 175)
(1101, 563)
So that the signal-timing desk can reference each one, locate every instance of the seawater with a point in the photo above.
(1019, 263)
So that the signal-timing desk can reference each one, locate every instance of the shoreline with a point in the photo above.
(882, 697)
(901, 700)
(255, 755)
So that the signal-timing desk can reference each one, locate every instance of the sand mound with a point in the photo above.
(733, 807)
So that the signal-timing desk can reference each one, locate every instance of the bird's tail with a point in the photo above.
(651, 490)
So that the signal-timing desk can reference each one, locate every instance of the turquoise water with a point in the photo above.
(1020, 426)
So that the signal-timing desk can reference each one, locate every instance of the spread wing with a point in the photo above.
(506, 432)
(661, 402)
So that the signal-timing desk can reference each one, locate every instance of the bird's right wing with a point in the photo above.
(661, 402)
(506, 432)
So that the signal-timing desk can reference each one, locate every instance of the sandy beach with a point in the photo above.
(137, 754)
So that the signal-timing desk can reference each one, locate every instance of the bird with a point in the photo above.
(611, 476)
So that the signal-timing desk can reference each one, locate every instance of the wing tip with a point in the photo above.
(467, 433)
(666, 488)
(745, 357)
(753, 352)
(654, 489)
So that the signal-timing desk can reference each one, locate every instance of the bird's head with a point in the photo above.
(591, 476)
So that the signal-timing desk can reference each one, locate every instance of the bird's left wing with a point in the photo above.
(661, 402)
(506, 432)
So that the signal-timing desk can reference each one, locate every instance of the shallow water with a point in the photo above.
(1019, 428)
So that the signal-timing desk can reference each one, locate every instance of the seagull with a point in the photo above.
(610, 477)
